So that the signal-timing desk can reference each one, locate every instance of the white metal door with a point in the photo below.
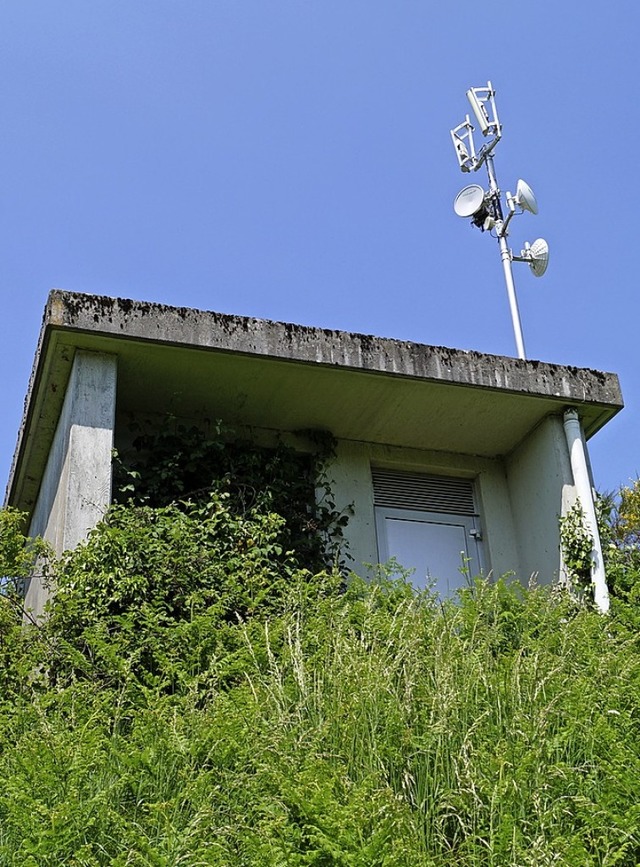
(429, 524)
(441, 550)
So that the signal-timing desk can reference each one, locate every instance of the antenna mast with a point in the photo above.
(485, 207)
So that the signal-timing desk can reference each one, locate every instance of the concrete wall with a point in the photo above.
(519, 497)
(350, 474)
(541, 489)
(76, 485)
(351, 482)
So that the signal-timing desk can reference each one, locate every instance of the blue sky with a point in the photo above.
(291, 159)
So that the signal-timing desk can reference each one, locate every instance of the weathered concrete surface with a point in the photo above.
(76, 484)
(541, 489)
(200, 329)
(271, 375)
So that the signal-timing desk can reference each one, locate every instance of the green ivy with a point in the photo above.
(176, 463)
(577, 547)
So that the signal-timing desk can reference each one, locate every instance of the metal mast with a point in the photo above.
(485, 207)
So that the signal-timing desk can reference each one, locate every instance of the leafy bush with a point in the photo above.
(160, 593)
(196, 698)
(20, 557)
(620, 534)
(172, 463)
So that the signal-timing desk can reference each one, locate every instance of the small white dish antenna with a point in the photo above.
(485, 208)
(537, 255)
(525, 197)
(469, 201)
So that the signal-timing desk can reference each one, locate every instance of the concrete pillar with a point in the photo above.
(501, 553)
(76, 484)
(350, 478)
(540, 490)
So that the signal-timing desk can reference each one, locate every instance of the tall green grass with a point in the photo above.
(375, 727)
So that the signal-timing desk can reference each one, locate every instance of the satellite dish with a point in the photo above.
(526, 198)
(469, 201)
(537, 255)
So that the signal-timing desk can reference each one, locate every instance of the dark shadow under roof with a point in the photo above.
(277, 375)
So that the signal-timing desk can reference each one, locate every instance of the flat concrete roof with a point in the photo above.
(201, 364)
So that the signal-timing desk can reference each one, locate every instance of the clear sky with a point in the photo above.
(291, 159)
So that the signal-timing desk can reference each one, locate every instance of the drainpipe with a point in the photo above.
(582, 482)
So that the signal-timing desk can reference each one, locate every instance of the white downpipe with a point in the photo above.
(582, 482)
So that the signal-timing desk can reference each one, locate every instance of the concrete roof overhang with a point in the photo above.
(276, 375)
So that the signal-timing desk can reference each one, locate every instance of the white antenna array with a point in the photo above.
(485, 207)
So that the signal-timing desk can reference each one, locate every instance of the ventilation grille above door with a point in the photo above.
(398, 490)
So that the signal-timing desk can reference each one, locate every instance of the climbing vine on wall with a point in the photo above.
(174, 462)
(577, 547)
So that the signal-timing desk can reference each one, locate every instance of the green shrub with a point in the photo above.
(620, 534)
(169, 462)
(160, 593)
(20, 557)
(196, 698)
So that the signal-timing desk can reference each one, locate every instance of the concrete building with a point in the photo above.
(440, 452)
